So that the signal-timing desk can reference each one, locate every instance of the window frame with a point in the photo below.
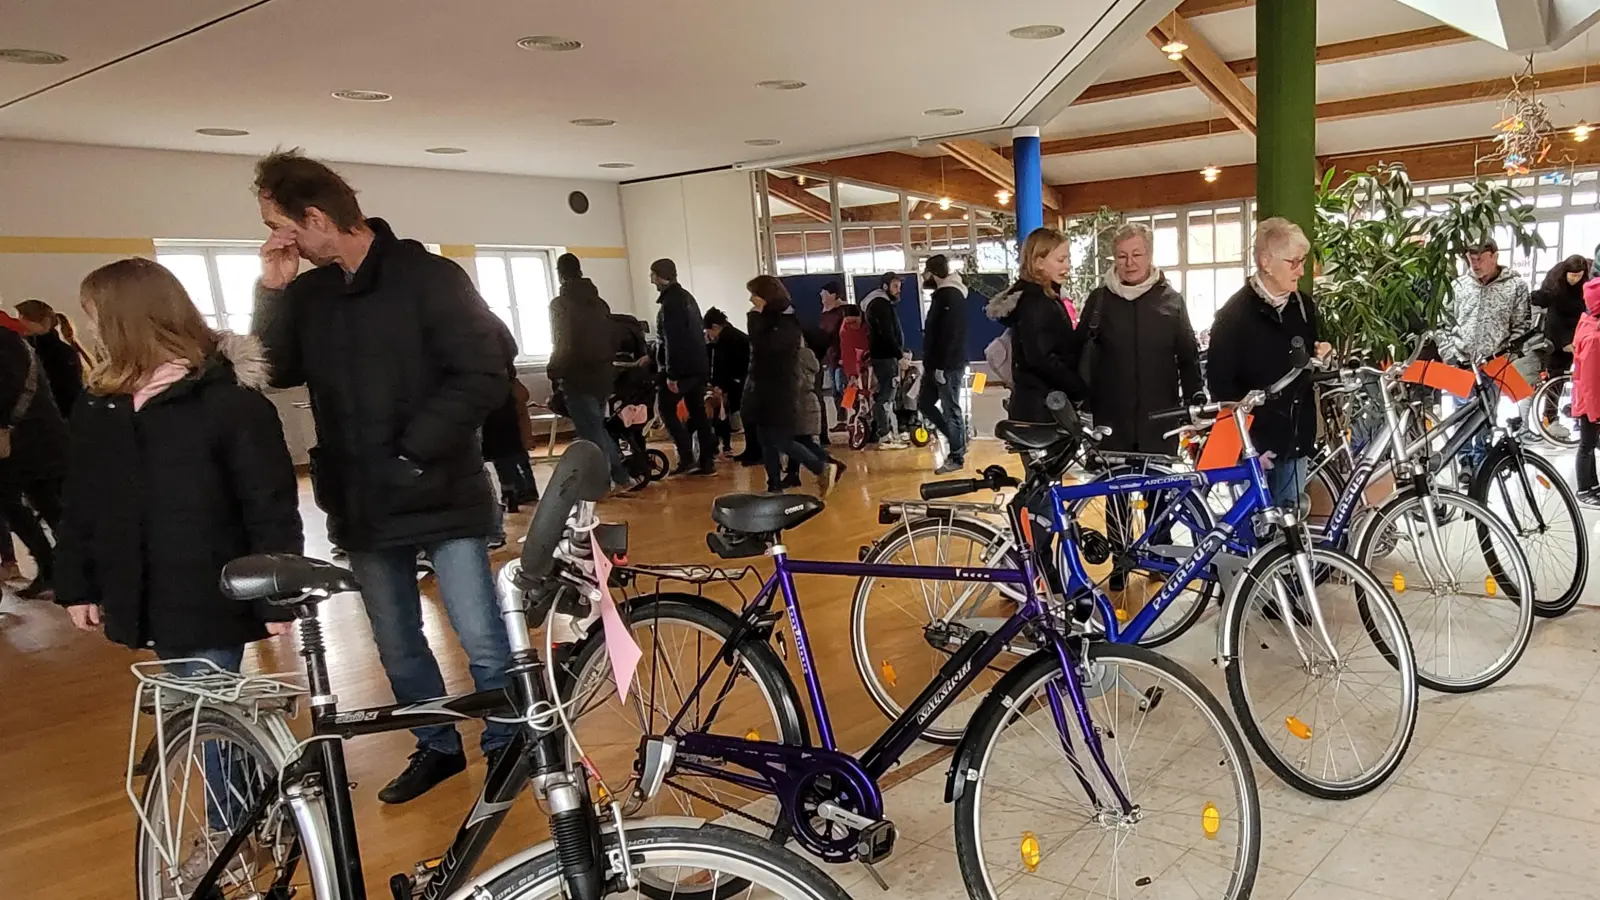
(209, 251)
(507, 253)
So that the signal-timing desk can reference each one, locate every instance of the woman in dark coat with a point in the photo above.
(771, 394)
(1040, 330)
(177, 465)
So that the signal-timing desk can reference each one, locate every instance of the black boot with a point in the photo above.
(426, 770)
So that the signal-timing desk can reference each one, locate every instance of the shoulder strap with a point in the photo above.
(30, 385)
(1094, 318)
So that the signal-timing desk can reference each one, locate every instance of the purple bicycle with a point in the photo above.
(1104, 768)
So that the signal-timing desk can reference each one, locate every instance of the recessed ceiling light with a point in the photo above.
(31, 57)
(781, 84)
(944, 112)
(221, 132)
(364, 96)
(549, 43)
(1037, 32)
(616, 165)
(593, 123)
(763, 142)
(445, 151)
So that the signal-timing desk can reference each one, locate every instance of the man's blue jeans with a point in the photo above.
(886, 372)
(951, 423)
(588, 414)
(394, 607)
(231, 777)
(1286, 482)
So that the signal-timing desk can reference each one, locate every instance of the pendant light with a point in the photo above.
(1174, 48)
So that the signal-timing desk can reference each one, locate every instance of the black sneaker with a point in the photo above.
(792, 480)
(39, 588)
(1589, 498)
(426, 770)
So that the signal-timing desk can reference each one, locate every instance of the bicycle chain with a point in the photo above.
(720, 805)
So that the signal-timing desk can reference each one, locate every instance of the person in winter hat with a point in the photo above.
(944, 360)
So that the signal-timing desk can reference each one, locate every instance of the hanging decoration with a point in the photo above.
(1524, 137)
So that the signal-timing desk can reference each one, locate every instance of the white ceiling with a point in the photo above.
(678, 76)
(1232, 34)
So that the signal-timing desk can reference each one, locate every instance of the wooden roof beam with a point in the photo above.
(1191, 8)
(1202, 66)
(986, 161)
(1343, 51)
(812, 206)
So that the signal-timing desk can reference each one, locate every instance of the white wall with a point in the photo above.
(706, 224)
(72, 190)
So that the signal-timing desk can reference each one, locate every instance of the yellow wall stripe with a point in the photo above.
(458, 251)
(599, 252)
(88, 245)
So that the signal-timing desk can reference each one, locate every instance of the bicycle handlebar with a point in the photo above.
(581, 476)
(994, 478)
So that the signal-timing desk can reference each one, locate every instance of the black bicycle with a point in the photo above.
(233, 805)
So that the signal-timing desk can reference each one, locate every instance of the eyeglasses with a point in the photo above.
(1297, 262)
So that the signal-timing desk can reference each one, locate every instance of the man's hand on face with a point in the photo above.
(280, 262)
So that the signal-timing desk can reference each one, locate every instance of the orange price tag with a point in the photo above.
(850, 397)
(1223, 445)
(1510, 381)
(1440, 377)
(683, 411)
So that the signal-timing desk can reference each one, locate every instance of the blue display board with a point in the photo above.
(806, 293)
(909, 307)
(981, 330)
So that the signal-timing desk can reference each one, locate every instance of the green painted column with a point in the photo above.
(1286, 112)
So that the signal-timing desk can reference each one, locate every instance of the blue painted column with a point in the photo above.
(1030, 181)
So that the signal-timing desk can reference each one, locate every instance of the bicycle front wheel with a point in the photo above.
(1552, 409)
(707, 855)
(1037, 811)
(1531, 497)
(1329, 709)
(1465, 598)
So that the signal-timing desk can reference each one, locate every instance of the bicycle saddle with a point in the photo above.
(1030, 435)
(283, 578)
(763, 513)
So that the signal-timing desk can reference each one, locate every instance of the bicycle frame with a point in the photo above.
(785, 770)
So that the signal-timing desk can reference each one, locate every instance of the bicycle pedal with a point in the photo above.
(875, 844)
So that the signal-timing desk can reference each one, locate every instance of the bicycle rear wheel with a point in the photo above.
(1035, 815)
(1526, 492)
(902, 630)
(1331, 724)
(707, 855)
(1552, 410)
(217, 767)
(1465, 597)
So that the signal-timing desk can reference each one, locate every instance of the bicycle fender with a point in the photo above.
(965, 761)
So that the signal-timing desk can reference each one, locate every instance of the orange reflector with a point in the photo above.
(1298, 728)
(1399, 583)
(753, 734)
(889, 675)
(1489, 586)
(1210, 821)
(1030, 851)
(1141, 504)
(979, 382)
(1122, 615)
(1544, 482)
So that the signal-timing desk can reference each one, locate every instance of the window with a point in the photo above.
(517, 284)
(219, 277)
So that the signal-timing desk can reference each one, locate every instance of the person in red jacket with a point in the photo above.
(1586, 392)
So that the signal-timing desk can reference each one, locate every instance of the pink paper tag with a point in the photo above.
(621, 648)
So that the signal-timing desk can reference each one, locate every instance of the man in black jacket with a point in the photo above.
(684, 370)
(59, 358)
(944, 360)
(403, 364)
(730, 364)
(581, 361)
(887, 342)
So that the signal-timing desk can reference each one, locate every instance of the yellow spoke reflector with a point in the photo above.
(1399, 583)
(1544, 482)
(753, 734)
(1298, 728)
(1030, 851)
(889, 675)
(1211, 821)
(1141, 503)
(1122, 615)
(1489, 586)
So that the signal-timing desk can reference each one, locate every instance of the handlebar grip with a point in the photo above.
(940, 490)
(1177, 412)
(1326, 375)
(581, 475)
(1062, 411)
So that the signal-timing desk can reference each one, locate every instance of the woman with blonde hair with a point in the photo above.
(1039, 327)
(177, 465)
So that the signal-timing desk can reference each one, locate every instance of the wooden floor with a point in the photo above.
(67, 828)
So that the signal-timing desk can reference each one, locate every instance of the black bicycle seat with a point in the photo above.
(763, 513)
(283, 578)
(1030, 435)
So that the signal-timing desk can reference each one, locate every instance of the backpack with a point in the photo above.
(997, 356)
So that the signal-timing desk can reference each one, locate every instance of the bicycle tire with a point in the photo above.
(536, 874)
(1556, 595)
(1549, 395)
(1014, 695)
(761, 664)
(178, 727)
(1202, 521)
(1494, 539)
(1398, 654)
(659, 465)
(897, 538)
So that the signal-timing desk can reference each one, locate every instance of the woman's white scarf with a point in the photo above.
(1132, 291)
